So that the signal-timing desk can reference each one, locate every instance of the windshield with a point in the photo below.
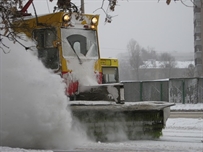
(80, 42)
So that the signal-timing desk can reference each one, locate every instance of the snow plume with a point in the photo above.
(84, 72)
(117, 134)
(33, 105)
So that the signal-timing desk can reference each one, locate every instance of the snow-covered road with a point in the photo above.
(161, 145)
(180, 135)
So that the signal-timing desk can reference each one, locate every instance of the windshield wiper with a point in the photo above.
(80, 61)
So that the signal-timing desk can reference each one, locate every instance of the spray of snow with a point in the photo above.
(117, 135)
(84, 72)
(113, 92)
(33, 105)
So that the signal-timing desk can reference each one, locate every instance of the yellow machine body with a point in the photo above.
(68, 44)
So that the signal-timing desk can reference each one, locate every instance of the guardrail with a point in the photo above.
(176, 90)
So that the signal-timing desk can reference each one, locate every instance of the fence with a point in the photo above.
(177, 90)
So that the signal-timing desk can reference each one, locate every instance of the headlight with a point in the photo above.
(94, 20)
(92, 27)
(66, 18)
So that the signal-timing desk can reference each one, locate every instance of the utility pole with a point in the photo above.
(82, 7)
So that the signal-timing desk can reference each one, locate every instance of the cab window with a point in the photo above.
(47, 53)
(110, 75)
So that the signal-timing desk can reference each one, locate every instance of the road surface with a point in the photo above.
(171, 141)
(180, 135)
(186, 114)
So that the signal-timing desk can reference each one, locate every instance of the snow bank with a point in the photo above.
(8, 149)
(185, 124)
(195, 107)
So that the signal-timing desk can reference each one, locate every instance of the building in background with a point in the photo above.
(153, 70)
(198, 37)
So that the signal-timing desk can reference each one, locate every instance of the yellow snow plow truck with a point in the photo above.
(67, 42)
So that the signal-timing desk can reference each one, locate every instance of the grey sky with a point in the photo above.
(166, 28)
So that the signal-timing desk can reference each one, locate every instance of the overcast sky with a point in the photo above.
(166, 28)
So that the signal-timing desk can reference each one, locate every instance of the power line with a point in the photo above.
(113, 48)
(48, 6)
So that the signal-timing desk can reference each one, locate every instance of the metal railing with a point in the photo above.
(177, 90)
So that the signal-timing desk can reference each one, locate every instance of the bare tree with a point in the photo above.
(149, 54)
(10, 11)
(168, 62)
(135, 54)
(190, 71)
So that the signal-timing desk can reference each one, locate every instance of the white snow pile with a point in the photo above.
(185, 123)
(8, 149)
(189, 107)
(33, 105)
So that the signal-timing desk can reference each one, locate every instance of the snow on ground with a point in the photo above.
(8, 149)
(181, 135)
(185, 124)
(185, 107)
(143, 146)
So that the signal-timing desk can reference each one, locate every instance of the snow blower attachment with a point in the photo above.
(113, 122)
(67, 42)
